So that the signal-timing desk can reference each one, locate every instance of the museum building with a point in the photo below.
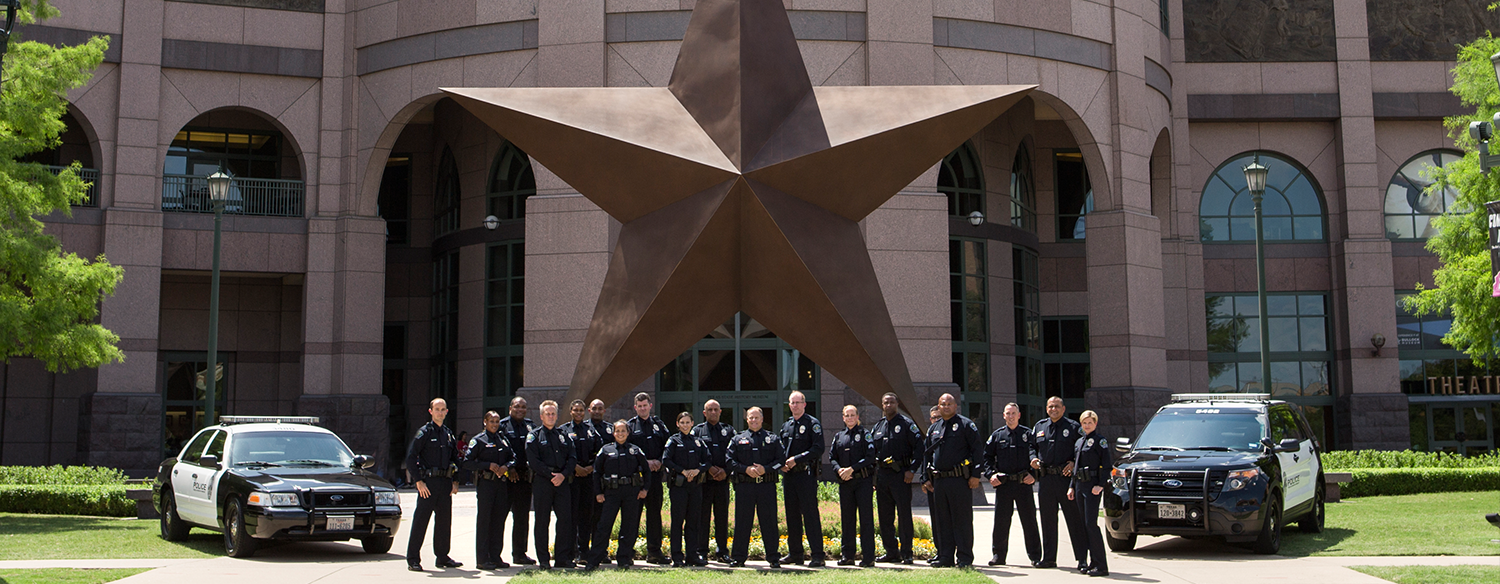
(382, 246)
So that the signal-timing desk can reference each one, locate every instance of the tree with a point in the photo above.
(1463, 285)
(49, 299)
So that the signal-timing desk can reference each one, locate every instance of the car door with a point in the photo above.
(213, 475)
(188, 478)
(1296, 465)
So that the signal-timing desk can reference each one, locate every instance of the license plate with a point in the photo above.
(1166, 512)
(340, 523)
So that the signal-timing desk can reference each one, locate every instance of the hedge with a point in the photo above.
(99, 500)
(1369, 482)
(60, 475)
(1340, 460)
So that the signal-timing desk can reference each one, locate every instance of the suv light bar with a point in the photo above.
(1220, 397)
(227, 420)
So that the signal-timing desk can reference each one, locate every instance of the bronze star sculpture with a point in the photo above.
(740, 188)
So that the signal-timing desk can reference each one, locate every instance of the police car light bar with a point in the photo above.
(1222, 397)
(227, 420)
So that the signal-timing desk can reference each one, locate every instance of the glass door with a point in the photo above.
(1467, 428)
(741, 364)
(184, 394)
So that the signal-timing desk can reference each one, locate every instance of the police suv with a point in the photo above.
(255, 478)
(1230, 466)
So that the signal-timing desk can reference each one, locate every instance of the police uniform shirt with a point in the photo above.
(852, 449)
(717, 437)
(605, 430)
(516, 432)
(585, 440)
(488, 447)
(550, 451)
(650, 435)
(1053, 442)
(759, 447)
(1008, 451)
(432, 449)
(803, 439)
(1092, 457)
(897, 442)
(622, 462)
(955, 441)
(685, 452)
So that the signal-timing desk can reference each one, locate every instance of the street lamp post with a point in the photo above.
(1255, 178)
(218, 193)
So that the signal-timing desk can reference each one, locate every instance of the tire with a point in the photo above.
(1313, 521)
(237, 541)
(1269, 541)
(377, 545)
(172, 526)
(1123, 544)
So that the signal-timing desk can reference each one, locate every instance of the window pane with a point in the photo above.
(1283, 334)
(1222, 378)
(974, 289)
(716, 371)
(1277, 305)
(1250, 378)
(1216, 197)
(757, 370)
(974, 323)
(1277, 228)
(1213, 229)
(1274, 204)
(1308, 228)
(1286, 378)
(1310, 304)
(1444, 424)
(1241, 229)
(978, 373)
(1250, 337)
(1314, 334)
(498, 329)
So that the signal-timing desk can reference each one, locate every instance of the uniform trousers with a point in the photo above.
(893, 496)
(953, 510)
(653, 515)
(621, 501)
(800, 489)
(520, 511)
(1053, 495)
(687, 515)
(492, 497)
(855, 500)
(752, 500)
(1015, 495)
(1088, 524)
(548, 499)
(716, 505)
(439, 503)
(585, 514)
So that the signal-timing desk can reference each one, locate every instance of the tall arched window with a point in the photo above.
(1022, 195)
(511, 182)
(961, 179)
(446, 196)
(1409, 206)
(1292, 208)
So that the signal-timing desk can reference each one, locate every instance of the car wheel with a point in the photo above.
(1269, 541)
(172, 526)
(1121, 544)
(377, 545)
(237, 541)
(1313, 521)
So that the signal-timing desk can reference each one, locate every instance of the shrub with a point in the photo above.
(1369, 482)
(1343, 460)
(101, 500)
(60, 475)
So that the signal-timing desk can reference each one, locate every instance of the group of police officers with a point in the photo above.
(587, 472)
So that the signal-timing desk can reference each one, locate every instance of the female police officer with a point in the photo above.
(1091, 467)
(620, 472)
(686, 461)
(755, 456)
(853, 459)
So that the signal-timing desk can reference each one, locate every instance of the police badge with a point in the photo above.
(1065, 432)
(1089, 443)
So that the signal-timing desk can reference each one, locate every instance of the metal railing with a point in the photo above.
(88, 175)
(247, 196)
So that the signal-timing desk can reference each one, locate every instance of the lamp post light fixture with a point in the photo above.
(1482, 131)
(1255, 179)
(491, 222)
(976, 218)
(218, 194)
(1377, 340)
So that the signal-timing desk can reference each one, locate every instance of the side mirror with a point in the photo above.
(362, 461)
(208, 461)
(1289, 445)
(1122, 444)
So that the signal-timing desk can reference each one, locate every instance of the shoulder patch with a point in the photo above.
(530, 438)
(817, 427)
(973, 427)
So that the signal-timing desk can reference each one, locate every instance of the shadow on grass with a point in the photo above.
(1294, 544)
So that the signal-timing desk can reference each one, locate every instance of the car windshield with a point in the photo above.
(288, 449)
(1197, 429)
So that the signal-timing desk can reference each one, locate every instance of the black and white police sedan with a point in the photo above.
(255, 478)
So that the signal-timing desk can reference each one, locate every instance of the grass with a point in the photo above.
(66, 575)
(863, 576)
(58, 537)
(1437, 524)
(1433, 574)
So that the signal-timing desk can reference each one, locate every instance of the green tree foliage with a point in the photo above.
(49, 299)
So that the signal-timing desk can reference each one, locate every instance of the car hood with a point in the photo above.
(289, 478)
(1187, 460)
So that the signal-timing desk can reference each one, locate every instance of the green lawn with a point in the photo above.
(56, 537)
(1438, 524)
(1434, 574)
(66, 576)
(864, 576)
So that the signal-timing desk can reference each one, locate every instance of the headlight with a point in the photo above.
(273, 499)
(386, 498)
(1119, 477)
(1240, 479)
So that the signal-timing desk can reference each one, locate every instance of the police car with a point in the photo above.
(1236, 467)
(255, 478)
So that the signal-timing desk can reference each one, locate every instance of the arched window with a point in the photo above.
(1409, 207)
(961, 179)
(511, 182)
(1292, 208)
(446, 196)
(1022, 196)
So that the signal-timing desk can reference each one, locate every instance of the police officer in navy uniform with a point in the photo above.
(853, 459)
(516, 428)
(1091, 469)
(754, 457)
(803, 437)
(552, 457)
(1007, 463)
(650, 434)
(934, 415)
(620, 471)
(686, 459)
(898, 447)
(1053, 458)
(952, 472)
(596, 419)
(490, 455)
(717, 436)
(432, 458)
(587, 442)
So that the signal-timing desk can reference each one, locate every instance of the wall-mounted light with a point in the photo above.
(491, 222)
(1377, 340)
(976, 218)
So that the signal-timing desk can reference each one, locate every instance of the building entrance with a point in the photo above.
(741, 364)
(1466, 427)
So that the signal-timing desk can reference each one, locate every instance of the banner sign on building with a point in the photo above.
(1494, 208)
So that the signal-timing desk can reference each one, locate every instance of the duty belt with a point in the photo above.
(427, 474)
(1013, 476)
(485, 474)
(863, 473)
(744, 478)
(1052, 470)
(1082, 474)
(618, 482)
(892, 465)
(680, 480)
(959, 471)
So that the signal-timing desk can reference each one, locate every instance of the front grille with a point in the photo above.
(1152, 485)
(354, 499)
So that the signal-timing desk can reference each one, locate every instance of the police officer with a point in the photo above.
(1091, 468)
(586, 441)
(516, 428)
(716, 490)
(686, 459)
(1007, 463)
(803, 437)
(952, 471)
(620, 479)
(490, 455)
(432, 458)
(552, 457)
(1052, 455)
(650, 434)
(596, 419)
(934, 415)
(898, 447)
(754, 457)
(853, 459)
